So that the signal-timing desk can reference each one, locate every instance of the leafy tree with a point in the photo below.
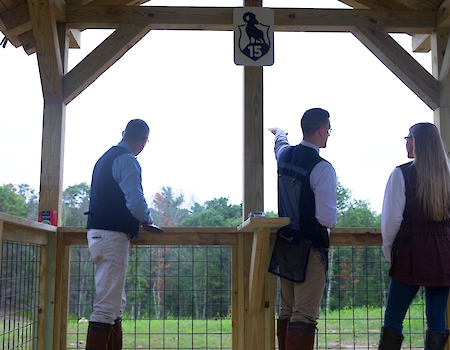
(12, 201)
(167, 208)
(31, 199)
(75, 204)
(352, 270)
(215, 212)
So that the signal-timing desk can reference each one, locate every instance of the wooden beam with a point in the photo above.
(28, 43)
(440, 50)
(260, 254)
(258, 268)
(181, 235)
(421, 43)
(103, 57)
(13, 39)
(251, 224)
(53, 134)
(74, 38)
(405, 67)
(43, 23)
(319, 20)
(443, 15)
(444, 71)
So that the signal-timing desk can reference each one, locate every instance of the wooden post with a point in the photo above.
(440, 51)
(251, 330)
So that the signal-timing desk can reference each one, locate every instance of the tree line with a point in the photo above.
(195, 281)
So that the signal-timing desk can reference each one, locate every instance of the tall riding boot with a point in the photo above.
(98, 336)
(436, 340)
(300, 336)
(115, 341)
(389, 340)
(281, 332)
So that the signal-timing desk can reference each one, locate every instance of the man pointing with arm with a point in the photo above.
(307, 195)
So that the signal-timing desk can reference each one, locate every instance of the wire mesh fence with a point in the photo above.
(19, 295)
(179, 297)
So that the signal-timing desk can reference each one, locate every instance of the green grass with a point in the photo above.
(357, 328)
(165, 334)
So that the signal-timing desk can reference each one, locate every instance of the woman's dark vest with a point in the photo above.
(420, 255)
(107, 206)
(296, 201)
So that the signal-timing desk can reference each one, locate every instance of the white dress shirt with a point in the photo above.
(392, 213)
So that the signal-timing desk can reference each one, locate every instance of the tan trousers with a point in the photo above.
(300, 302)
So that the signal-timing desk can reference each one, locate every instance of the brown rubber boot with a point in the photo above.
(300, 336)
(115, 341)
(281, 332)
(98, 336)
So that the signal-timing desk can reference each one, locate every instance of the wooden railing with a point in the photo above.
(253, 294)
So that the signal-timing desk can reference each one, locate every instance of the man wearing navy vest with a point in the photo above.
(307, 195)
(117, 207)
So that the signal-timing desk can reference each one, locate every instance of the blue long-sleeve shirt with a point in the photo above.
(128, 174)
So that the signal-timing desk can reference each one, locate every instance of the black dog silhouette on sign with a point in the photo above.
(254, 41)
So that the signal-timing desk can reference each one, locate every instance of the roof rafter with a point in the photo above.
(101, 58)
(401, 63)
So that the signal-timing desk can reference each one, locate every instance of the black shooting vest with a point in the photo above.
(296, 201)
(107, 205)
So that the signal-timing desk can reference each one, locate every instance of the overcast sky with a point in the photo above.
(186, 86)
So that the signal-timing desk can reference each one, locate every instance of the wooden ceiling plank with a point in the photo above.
(325, 20)
(402, 64)
(13, 39)
(43, 23)
(60, 10)
(414, 4)
(9, 4)
(101, 58)
(17, 20)
(443, 15)
(421, 43)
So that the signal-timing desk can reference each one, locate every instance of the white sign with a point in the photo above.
(253, 36)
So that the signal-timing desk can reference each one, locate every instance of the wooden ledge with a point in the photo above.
(16, 229)
(251, 224)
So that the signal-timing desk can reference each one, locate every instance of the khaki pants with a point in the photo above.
(300, 302)
(109, 251)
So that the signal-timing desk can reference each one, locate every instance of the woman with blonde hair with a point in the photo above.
(415, 227)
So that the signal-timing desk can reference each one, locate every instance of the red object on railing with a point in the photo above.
(48, 217)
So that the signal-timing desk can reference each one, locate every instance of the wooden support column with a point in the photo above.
(52, 43)
(440, 50)
(252, 330)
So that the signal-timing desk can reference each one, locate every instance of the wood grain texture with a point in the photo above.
(102, 58)
(216, 18)
(401, 63)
